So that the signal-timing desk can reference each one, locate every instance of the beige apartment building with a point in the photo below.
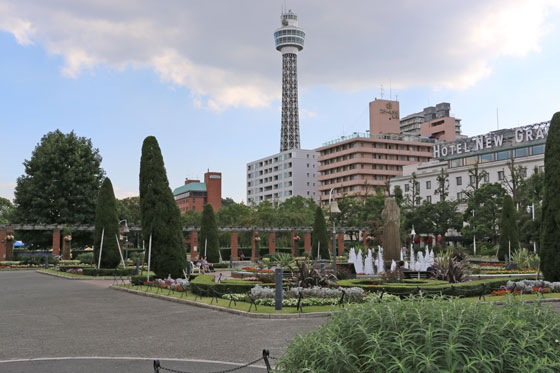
(363, 162)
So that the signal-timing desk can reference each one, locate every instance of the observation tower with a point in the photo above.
(289, 39)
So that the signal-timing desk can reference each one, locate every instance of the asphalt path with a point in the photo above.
(47, 318)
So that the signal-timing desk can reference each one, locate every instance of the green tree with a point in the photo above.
(476, 176)
(209, 235)
(442, 181)
(549, 250)
(398, 195)
(530, 193)
(320, 235)
(6, 211)
(106, 224)
(487, 205)
(129, 209)
(414, 198)
(161, 217)
(60, 186)
(509, 234)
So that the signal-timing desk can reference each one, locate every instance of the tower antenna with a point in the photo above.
(381, 91)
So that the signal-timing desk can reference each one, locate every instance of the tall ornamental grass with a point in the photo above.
(443, 335)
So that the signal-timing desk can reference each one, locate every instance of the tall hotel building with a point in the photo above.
(493, 153)
(362, 163)
(293, 171)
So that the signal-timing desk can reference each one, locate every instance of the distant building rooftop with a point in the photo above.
(191, 187)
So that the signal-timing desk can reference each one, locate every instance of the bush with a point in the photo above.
(86, 258)
(109, 271)
(407, 287)
(205, 285)
(415, 335)
(220, 265)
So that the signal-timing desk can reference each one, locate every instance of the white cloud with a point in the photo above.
(223, 51)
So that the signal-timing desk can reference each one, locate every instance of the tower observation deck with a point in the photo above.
(289, 39)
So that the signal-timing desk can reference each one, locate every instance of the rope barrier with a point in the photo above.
(158, 367)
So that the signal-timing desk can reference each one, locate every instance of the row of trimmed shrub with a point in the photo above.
(108, 271)
(463, 289)
(206, 285)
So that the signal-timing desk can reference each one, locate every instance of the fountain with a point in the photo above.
(359, 262)
(352, 256)
(379, 262)
(368, 267)
(393, 266)
(412, 259)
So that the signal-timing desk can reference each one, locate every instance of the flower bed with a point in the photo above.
(179, 284)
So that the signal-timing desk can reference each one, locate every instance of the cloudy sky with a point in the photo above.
(205, 79)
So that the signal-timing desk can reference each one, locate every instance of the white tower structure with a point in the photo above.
(289, 41)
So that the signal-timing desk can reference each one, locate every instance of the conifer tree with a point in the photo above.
(209, 235)
(320, 235)
(549, 250)
(509, 235)
(160, 215)
(106, 223)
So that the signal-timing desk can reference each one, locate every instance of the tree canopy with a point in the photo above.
(208, 239)
(509, 235)
(60, 185)
(160, 215)
(106, 224)
(549, 250)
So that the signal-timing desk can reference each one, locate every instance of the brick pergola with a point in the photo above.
(6, 247)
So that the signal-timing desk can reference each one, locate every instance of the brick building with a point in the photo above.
(194, 194)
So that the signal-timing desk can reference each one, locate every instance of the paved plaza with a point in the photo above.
(44, 317)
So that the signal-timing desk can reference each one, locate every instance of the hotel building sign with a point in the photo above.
(493, 140)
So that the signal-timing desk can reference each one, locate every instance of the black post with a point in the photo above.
(278, 289)
(137, 266)
(47, 261)
(230, 261)
(156, 366)
(266, 354)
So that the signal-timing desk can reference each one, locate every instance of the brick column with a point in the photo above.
(234, 243)
(340, 243)
(3, 234)
(6, 247)
(307, 241)
(364, 238)
(272, 243)
(56, 242)
(194, 245)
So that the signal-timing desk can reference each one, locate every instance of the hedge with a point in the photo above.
(108, 271)
(205, 285)
(247, 251)
(463, 289)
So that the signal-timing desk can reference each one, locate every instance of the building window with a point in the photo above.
(428, 184)
(501, 175)
(487, 158)
(538, 149)
(486, 177)
(500, 156)
(459, 180)
(472, 179)
(460, 195)
(406, 187)
(523, 152)
(523, 172)
(455, 163)
(429, 199)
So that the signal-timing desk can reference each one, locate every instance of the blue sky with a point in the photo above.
(205, 78)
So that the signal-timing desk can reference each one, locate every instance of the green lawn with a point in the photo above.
(244, 306)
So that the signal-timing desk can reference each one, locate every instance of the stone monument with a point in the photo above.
(391, 216)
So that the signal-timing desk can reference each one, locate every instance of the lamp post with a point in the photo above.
(333, 209)
(532, 209)
(474, 234)
(125, 230)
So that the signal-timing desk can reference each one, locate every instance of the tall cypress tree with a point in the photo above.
(509, 235)
(160, 215)
(549, 250)
(209, 233)
(320, 235)
(106, 222)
